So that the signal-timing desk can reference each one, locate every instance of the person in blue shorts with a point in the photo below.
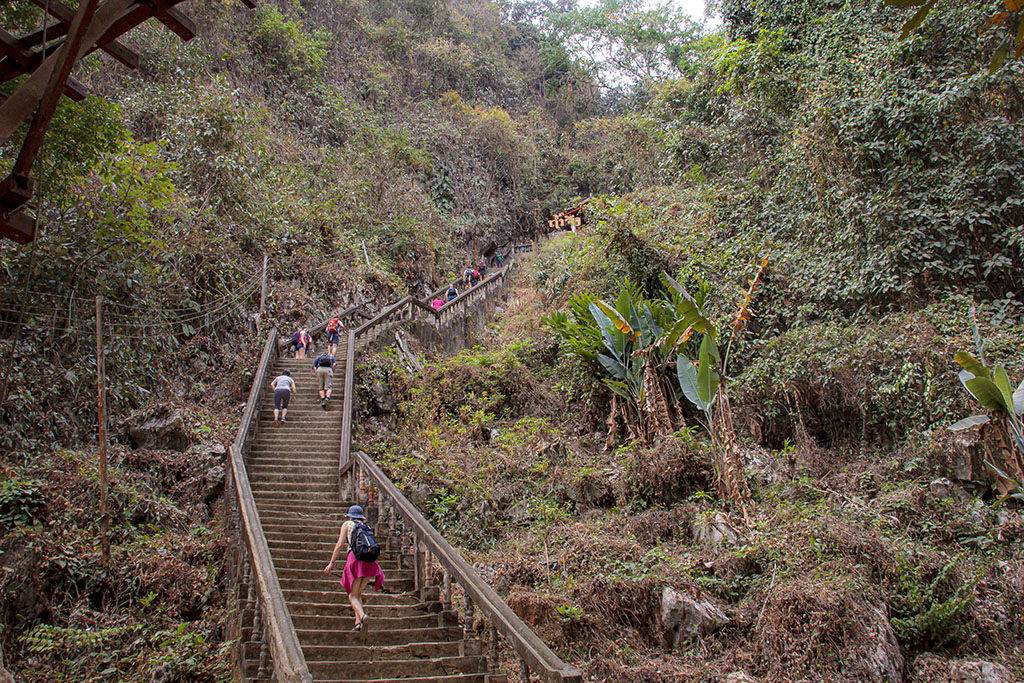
(333, 335)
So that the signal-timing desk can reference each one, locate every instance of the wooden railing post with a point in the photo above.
(468, 617)
(492, 649)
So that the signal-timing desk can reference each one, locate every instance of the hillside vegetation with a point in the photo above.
(818, 502)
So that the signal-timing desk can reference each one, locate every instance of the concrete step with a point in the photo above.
(378, 637)
(397, 668)
(301, 537)
(289, 488)
(267, 501)
(316, 561)
(293, 498)
(284, 461)
(294, 469)
(389, 594)
(381, 653)
(329, 620)
(345, 610)
(318, 581)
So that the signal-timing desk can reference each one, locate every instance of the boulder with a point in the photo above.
(944, 488)
(714, 530)
(684, 617)
(213, 483)
(980, 672)
(739, 677)
(420, 495)
(160, 429)
(881, 660)
(519, 514)
(382, 402)
(214, 451)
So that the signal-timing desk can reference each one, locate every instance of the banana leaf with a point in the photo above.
(616, 319)
(968, 422)
(687, 375)
(1018, 396)
(987, 393)
(1002, 382)
(619, 388)
(614, 340)
(707, 376)
(614, 367)
(972, 364)
(673, 285)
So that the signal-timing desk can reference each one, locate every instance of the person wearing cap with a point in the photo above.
(357, 573)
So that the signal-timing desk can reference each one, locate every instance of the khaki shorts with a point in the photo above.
(324, 376)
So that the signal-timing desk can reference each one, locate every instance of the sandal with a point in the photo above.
(358, 626)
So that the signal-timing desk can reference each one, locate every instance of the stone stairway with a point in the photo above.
(408, 635)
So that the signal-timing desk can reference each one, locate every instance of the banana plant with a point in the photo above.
(992, 389)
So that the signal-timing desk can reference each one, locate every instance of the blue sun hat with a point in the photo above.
(355, 512)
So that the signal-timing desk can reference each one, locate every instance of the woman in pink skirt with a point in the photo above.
(357, 573)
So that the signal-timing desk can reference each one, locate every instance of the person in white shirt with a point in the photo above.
(284, 388)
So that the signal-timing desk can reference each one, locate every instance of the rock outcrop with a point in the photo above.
(162, 428)
(684, 617)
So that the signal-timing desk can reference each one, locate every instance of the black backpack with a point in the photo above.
(323, 362)
(364, 545)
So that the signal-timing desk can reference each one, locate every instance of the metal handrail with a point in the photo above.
(289, 662)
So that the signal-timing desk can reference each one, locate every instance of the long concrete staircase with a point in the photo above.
(408, 636)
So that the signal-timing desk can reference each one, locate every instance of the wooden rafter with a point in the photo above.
(47, 55)
(63, 14)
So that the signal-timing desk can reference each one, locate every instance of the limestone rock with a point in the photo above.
(739, 677)
(213, 482)
(161, 429)
(944, 488)
(420, 496)
(715, 530)
(980, 672)
(519, 513)
(882, 660)
(684, 617)
(381, 400)
(214, 451)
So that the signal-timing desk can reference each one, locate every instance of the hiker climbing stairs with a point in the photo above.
(293, 470)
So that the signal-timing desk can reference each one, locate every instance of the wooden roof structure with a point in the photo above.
(48, 55)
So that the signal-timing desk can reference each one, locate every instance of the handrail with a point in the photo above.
(289, 662)
(538, 656)
(534, 653)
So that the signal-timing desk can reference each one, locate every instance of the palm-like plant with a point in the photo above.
(992, 389)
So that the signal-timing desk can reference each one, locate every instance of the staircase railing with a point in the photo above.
(534, 654)
(264, 610)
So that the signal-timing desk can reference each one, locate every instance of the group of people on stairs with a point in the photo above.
(471, 277)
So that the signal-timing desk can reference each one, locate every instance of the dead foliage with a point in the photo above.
(666, 472)
(810, 627)
(653, 527)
